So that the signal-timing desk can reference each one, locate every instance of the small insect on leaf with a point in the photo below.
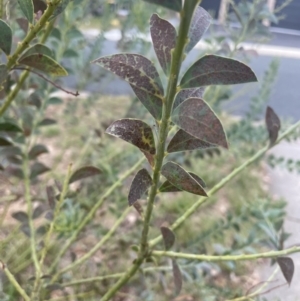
(287, 267)
(5, 37)
(273, 125)
(177, 277)
(168, 237)
(140, 184)
(171, 4)
(27, 9)
(163, 36)
(84, 172)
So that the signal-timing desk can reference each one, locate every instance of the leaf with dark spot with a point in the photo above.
(43, 63)
(200, 22)
(84, 172)
(216, 70)
(47, 121)
(39, 5)
(163, 36)
(182, 141)
(20, 216)
(177, 277)
(273, 125)
(51, 196)
(9, 127)
(3, 74)
(168, 237)
(23, 23)
(140, 184)
(195, 117)
(135, 132)
(187, 93)
(287, 268)
(37, 49)
(37, 169)
(37, 150)
(171, 4)
(5, 37)
(38, 211)
(181, 179)
(59, 9)
(27, 9)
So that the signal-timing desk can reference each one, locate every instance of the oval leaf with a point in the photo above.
(84, 172)
(163, 36)
(20, 216)
(47, 121)
(140, 184)
(182, 141)
(287, 268)
(3, 74)
(5, 37)
(196, 118)
(168, 237)
(273, 125)
(135, 132)
(171, 4)
(37, 49)
(177, 277)
(38, 211)
(187, 93)
(37, 169)
(44, 63)
(217, 70)
(5, 141)
(39, 5)
(200, 22)
(36, 151)
(9, 127)
(27, 9)
(51, 196)
(181, 179)
(60, 8)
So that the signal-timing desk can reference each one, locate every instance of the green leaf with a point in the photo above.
(168, 237)
(27, 9)
(171, 4)
(182, 141)
(37, 169)
(5, 141)
(5, 37)
(287, 268)
(216, 70)
(20, 216)
(3, 74)
(140, 184)
(163, 36)
(54, 101)
(135, 132)
(187, 93)
(141, 75)
(200, 22)
(181, 179)
(196, 118)
(9, 127)
(59, 9)
(38, 211)
(177, 277)
(37, 49)
(44, 63)
(273, 125)
(34, 99)
(84, 172)
(70, 53)
(37, 150)
(47, 121)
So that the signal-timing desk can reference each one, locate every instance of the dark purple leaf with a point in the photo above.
(168, 237)
(25, 229)
(171, 4)
(14, 171)
(287, 268)
(9, 127)
(183, 141)
(51, 196)
(37, 169)
(38, 49)
(39, 5)
(140, 184)
(84, 172)
(200, 22)
(11, 150)
(273, 125)
(149, 157)
(43, 63)
(177, 276)
(181, 179)
(135, 132)
(20, 216)
(3, 74)
(47, 121)
(163, 36)
(187, 93)
(38, 211)
(27, 9)
(23, 23)
(195, 117)
(37, 150)
(138, 207)
(216, 70)
(5, 37)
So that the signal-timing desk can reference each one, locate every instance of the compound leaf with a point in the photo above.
(200, 22)
(134, 131)
(27, 9)
(217, 70)
(163, 36)
(171, 4)
(168, 237)
(273, 125)
(84, 172)
(181, 179)
(140, 184)
(5, 37)
(287, 267)
(3, 74)
(177, 276)
(182, 95)
(43, 63)
(196, 118)
(37, 49)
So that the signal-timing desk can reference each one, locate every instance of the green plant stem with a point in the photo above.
(91, 214)
(204, 257)
(177, 58)
(223, 182)
(104, 239)
(15, 283)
